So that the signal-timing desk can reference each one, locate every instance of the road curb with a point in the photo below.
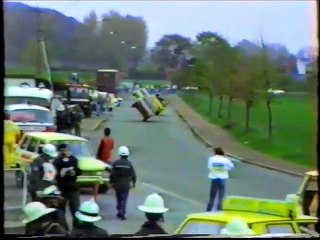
(97, 125)
(248, 161)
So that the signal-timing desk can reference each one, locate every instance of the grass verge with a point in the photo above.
(294, 125)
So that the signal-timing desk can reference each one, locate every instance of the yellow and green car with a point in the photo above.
(263, 216)
(93, 170)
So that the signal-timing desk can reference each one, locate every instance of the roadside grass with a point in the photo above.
(294, 125)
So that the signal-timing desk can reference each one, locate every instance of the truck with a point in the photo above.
(107, 80)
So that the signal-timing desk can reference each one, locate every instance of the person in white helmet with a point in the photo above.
(237, 227)
(39, 220)
(121, 175)
(42, 171)
(86, 216)
(52, 198)
(154, 209)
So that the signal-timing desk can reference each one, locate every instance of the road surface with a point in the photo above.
(170, 161)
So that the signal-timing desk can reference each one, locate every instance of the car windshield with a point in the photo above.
(195, 227)
(77, 148)
(79, 92)
(31, 115)
(32, 100)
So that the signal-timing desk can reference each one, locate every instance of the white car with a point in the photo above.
(31, 118)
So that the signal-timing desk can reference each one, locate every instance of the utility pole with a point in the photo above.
(39, 38)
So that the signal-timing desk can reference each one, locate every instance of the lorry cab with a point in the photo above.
(80, 94)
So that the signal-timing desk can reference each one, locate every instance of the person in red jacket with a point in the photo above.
(106, 145)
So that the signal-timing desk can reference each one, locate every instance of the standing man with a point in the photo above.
(218, 166)
(122, 174)
(68, 171)
(42, 170)
(106, 145)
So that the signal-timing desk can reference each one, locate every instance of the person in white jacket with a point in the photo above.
(218, 166)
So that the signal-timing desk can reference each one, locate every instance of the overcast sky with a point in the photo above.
(285, 22)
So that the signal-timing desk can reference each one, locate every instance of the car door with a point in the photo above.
(31, 150)
(25, 155)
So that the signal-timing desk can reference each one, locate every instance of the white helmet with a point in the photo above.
(88, 211)
(35, 210)
(236, 227)
(123, 151)
(50, 149)
(51, 191)
(153, 204)
(60, 108)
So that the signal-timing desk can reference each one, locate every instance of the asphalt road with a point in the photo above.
(170, 161)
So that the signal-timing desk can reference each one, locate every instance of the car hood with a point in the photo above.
(92, 164)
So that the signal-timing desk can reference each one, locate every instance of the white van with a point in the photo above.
(31, 118)
(23, 93)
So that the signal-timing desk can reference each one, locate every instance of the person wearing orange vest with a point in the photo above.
(106, 145)
(12, 133)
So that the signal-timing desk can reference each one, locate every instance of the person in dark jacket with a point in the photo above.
(39, 221)
(121, 176)
(86, 216)
(42, 170)
(153, 208)
(51, 197)
(68, 171)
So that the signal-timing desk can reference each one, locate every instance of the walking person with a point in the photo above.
(106, 146)
(218, 166)
(39, 221)
(86, 216)
(42, 170)
(68, 171)
(121, 175)
(154, 209)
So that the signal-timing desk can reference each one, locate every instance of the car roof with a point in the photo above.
(19, 106)
(313, 173)
(54, 136)
(17, 91)
(249, 217)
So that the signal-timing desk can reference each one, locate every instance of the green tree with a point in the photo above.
(170, 49)
(216, 50)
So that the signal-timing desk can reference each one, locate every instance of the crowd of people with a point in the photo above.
(53, 185)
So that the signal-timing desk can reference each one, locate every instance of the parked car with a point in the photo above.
(93, 170)
(263, 216)
(31, 118)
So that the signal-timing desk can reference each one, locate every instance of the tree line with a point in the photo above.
(223, 71)
(119, 41)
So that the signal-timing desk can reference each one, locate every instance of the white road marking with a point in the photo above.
(174, 195)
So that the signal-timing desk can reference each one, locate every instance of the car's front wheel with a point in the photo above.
(103, 188)
(19, 179)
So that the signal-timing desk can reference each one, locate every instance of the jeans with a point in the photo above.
(122, 197)
(73, 200)
(217, 186)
